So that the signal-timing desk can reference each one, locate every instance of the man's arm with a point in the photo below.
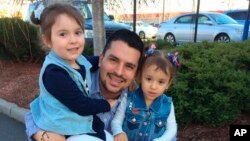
(94, 61)
(116, 124)
(31, 127)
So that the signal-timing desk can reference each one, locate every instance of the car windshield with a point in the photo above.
(106, 17)
(86, 10)
(222, 19)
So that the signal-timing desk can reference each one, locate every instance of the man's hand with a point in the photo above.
(48, 136)
(121, 137)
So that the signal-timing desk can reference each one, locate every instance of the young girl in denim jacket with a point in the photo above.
(148, 114)
(63, 106)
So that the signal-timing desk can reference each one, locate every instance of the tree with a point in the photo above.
(98, 26)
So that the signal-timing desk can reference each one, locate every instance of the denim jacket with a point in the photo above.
(142, 123)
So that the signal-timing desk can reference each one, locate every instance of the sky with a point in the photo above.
(126, 6)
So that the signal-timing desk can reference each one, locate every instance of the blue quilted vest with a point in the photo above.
(49, 113)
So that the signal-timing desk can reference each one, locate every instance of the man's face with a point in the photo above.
(118, 68)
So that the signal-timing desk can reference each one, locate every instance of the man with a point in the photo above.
(119, 63)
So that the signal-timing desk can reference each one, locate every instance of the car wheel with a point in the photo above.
(170, 38)
(142, 35)
(222, 38)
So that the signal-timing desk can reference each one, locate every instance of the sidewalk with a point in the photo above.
(12, 110)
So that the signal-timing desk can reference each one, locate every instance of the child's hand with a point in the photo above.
(121, 137)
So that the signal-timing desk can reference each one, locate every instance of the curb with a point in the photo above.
(12, 110)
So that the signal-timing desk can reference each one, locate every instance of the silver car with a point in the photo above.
(143, 29)
(211, 27)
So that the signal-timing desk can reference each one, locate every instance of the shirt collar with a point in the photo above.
(140, 102)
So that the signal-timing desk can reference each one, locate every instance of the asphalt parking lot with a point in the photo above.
(11, 130)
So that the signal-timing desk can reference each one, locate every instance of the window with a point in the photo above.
(203, 19)
(238, 15)
(184, 19)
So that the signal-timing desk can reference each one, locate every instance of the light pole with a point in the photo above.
(246, 25)
(134, 17)
(196, 20)
(163, 11)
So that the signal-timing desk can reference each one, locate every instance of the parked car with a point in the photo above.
(212, 26)
(143, 29)
(239, 15)
(86, 10)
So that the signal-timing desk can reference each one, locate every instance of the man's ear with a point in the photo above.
(100, 60)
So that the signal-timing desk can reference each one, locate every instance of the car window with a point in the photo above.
(222, 19)
(86, 10)
(203, 19)
(239, 15)
(83, 8)
(184, 19)
(34, 6)
(106, 17)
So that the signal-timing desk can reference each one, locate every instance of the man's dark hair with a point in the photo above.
(129, 37)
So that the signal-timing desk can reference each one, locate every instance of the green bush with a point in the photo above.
(19, 40)
(161, 44)
(212, 85)
(89, 51)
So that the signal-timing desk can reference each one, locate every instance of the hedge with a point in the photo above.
(19, 40)
(212, 85)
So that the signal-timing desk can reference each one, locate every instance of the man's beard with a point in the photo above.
(110, 92)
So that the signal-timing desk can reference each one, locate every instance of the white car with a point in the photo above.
(143, 29)
(212, 26)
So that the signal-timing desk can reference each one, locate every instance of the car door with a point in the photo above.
(182, 28)
(205, 30)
